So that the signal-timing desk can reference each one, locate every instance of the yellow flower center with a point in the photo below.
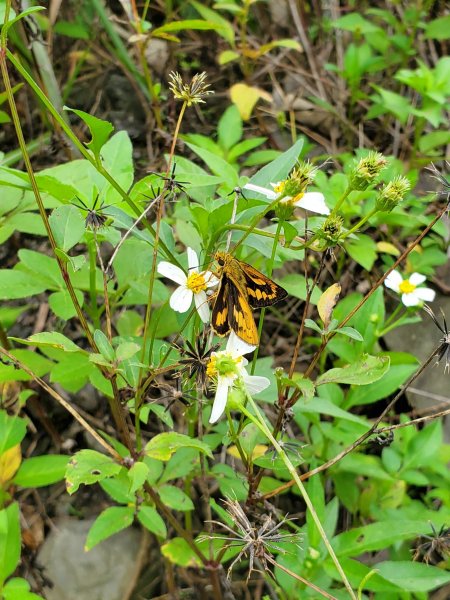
(279, 188)
(223, 364)
(196, 282)
(406, 287)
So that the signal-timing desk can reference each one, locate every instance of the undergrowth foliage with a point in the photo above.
(262, 452)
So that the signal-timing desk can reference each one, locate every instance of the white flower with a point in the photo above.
(191, 285)
(411, 294)
(313, 201)
(228, 366)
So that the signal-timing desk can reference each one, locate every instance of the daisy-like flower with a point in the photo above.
(412, 295)
(192, 285)
(228, 369)
(313, 201)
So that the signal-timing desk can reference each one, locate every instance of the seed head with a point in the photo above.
(392, 194)
(365, 172)
(191, 93)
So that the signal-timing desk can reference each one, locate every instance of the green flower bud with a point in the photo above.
(365, 172)
(392, 194)
(331, 229)
(236, 398)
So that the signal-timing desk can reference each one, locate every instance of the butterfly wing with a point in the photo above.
(240, 317)
(219, 317)
(261, 290)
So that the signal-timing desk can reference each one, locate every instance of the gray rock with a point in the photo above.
(107, 572)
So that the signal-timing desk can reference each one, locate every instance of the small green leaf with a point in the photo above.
(110, 521)
(100, 130)
(175, 498)
(89, 466)
(54, 339)
(137, 475)
(351, 333)
(62, 305)
(126, 350)
(67, 225)
(163, 445)
(39, 471)
(17, 588)
(9, 540)
(313, 325)
(104, 345)
(178, 551)
(150, 519)
(367, 370)
(12, 431)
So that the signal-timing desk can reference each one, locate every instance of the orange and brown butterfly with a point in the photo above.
(241, 288)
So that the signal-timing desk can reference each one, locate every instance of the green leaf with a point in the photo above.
(18, 589)
(350, 332)
(175, 498)
(218, 166)
(295, 285)
(9, 540)
(110, 521)
(16, 284)
(413, 576)
(367, 370)
(178, 551)
(67, 225)
(137, 476)
(226, 29)
(104, 345)
(89, 466)
(39, 471)
(163, 445)
(356, 23)
(181, 464)
(187, 24)
(150, 519)
(53, 339)
(229, 128)
(62, 305)
(363, 250)
(100, 130)
(423, 446)
(126, 350)
(5, 27)
(12, 431)
(438, 29)
(278, 169)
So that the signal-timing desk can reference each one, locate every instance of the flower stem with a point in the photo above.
(259, 421)
(359, 224)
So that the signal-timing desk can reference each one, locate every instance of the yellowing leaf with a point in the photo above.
(9, 463)
(258, 450)
(387, 248)
(245, 97)
(327, 302)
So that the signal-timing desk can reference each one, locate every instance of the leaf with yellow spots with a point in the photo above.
(327, 302)
(9, 463)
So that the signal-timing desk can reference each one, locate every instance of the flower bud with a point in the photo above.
(365, 172)
(331, 229)
(392, 194)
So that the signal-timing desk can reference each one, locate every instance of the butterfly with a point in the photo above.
(241, 288)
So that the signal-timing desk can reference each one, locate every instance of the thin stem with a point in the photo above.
(443, 413)
(259, 421)
(359, 224)
(301, 579)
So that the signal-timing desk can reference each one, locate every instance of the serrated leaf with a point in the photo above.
(110, 521)
(366, 370)
(327, 302)
(137, 476)
(163, 445)
(100, 130)
(89, 466)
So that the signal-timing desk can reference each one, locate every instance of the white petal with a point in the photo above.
(393, 281)
(411, 299)
(255, 383)
(269, 194)
(172, 272)
(417, 279)
(237, 347)
(201, 304)
(315, 202)
(220, 401)
(210, 279)
(426, 294)
(181, 299)
(192, 260)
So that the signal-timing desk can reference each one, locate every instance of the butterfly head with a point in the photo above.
(221, 258)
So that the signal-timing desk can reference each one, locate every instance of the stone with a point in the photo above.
(107, 572)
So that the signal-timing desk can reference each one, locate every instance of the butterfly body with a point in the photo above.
(241, 288)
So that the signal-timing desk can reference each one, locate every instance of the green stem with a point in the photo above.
(259, 421)
(359, 224)
(341, 201)
(92, 283)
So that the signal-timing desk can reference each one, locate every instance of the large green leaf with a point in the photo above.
(67, 225)
(12, 431)
(365, 371)
(150, 519)
(278, 169)
(163, 445)
(89, 466)
(413, 576)
(39, 471)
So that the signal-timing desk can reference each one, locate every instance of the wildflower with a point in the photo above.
(313, 201)
(365, 172)
(412, 295)
(228, 368)
(192, 285)
(196, 358)
(392, 194)
(444, 348)
(258, 542)
(191, 93)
